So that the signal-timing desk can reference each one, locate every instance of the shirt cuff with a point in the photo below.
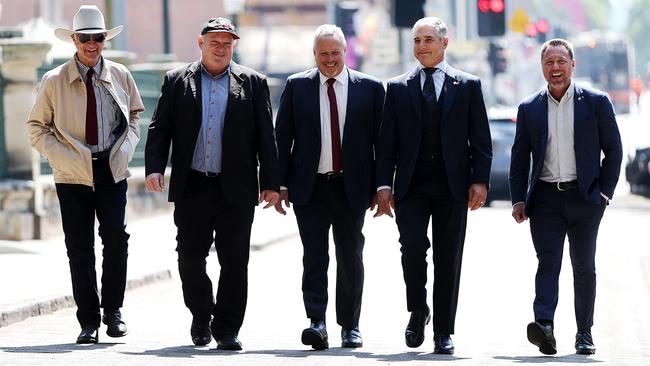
(607, 199)
(283, 188)
(382, 188)
(518, 203)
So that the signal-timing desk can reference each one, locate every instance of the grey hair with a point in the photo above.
(330, 30)
(557, 42)
(439, 26)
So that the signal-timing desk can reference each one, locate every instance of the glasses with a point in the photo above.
(85, 38)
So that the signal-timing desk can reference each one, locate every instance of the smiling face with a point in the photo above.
(89, 52)
(216, 51)
(329, 54)
(557, 67)
(428, 46)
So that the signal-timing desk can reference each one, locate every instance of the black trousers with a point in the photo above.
(79, 205)
(554, 215)
(429, 198)
(327, 208)
(203, 218)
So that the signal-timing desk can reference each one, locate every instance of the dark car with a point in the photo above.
(637, 172)
(502, 127)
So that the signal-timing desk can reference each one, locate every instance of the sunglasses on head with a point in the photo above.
(85, 38)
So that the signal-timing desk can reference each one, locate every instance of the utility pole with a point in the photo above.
(166, 43)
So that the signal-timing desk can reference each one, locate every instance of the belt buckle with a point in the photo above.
(559, 188)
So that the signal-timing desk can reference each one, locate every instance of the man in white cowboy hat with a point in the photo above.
(85, 122)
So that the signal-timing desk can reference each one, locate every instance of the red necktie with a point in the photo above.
(336, 134)
(91, 110)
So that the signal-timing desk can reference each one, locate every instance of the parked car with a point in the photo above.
(502, 127)
(637, 172)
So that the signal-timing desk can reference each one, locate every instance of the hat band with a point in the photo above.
(83, 29)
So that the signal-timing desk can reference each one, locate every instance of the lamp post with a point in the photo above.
(233, 8)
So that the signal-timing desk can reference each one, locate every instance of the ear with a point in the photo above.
(199, 41)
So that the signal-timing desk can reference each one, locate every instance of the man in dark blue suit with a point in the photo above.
(565, 128)
(435, 143)
(326, 129)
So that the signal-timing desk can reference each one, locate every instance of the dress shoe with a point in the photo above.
(443, 345)
(89, 334)
(316, 335)
(229, 342)
(414, 334)
(200, 332)
(114, 323)
(542, 336)
(351, 338)
(585, 343)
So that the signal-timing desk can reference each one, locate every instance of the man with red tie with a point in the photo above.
(85, 122)
(326, 129)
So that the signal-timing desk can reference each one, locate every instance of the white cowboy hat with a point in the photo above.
(88, 20)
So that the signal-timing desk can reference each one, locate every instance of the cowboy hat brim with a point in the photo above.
(65, 34)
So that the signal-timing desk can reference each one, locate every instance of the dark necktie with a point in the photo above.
(336, 134)
(429, 88)
(91, 110)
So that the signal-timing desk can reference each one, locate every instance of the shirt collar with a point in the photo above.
(442, 66)
(567, 96)
(342, 77)
(207, 74)
(83, 69)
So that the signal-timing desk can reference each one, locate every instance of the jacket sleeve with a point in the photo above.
(610, 144)
(480, 141)
(267, 149)
(159, 135)
(284, 127)
(135, 108)
(41, 119)
(520, 159)
(388, 140)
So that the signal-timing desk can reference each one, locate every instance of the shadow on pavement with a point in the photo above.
(58, 348)
(570, 358)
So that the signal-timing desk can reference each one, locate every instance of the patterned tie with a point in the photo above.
(429, 89)
(91, 110)
(336, 134)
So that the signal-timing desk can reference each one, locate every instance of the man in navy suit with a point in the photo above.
(565, 128)
(435, 143)
(327, 127)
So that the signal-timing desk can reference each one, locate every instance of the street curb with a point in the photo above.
(49, 306)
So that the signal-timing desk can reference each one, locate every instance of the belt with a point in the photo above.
(205, 174)
(101, 155)
(329, 175)
(560, 186)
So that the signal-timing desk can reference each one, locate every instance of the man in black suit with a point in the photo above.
(565, 128)
(435, 143)
(216, 114)
(327, 127)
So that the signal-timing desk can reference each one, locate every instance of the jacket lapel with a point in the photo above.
(449, 87)
(313, 98)
(415, 91)
(541, 119)
(350, 115)
(235, 88)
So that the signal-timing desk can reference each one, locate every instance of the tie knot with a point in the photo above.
(89, 74)
(331, 81)
(430, 70)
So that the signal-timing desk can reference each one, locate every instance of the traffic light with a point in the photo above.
(497, 58)
(542, 27)
(491, 17)
(406, 12)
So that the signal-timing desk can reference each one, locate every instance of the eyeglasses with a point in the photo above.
(85, 38)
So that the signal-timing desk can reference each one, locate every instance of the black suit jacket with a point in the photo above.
(595, 131)
(464, 133)
(247, 133)
(299, 138)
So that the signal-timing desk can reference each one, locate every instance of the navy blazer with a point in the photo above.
(595, 131)
(464, 133)
(247, 134)
(298, 133)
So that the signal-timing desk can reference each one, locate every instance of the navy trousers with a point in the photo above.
(554, 215)
(79, 206)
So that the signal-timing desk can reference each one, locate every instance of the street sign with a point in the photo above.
(519, 21)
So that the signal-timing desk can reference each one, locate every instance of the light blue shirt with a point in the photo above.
(108, 112)
(438, 77)
(214, 99)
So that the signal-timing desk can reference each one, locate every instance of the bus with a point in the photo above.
(604, 60)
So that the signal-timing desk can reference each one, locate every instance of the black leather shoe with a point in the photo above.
(414, 334)
(351, 338)
(316, 335)
(542, 336)
(443, 345)
(585, 343)
(114, 323)
(229, 342)
(200, 332)
(89, 334)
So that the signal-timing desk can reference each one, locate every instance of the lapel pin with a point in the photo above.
(456, 82)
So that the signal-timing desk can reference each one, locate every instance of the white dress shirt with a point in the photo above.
(560, 155)
(341, 90)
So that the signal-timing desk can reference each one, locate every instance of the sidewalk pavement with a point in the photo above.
(35, 275)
